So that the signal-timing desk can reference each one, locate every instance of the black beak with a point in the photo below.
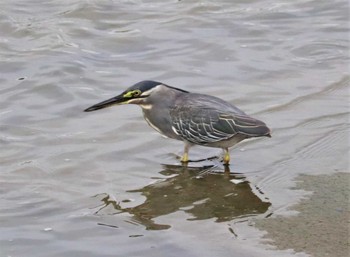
(112, 101)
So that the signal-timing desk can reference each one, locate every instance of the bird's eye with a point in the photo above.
(136, 93)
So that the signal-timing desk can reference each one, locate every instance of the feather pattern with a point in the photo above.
(209, 120)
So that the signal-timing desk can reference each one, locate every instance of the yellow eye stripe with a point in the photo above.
(128, 94)
(132, 93)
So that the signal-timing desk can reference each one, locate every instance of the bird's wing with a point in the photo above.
(203, 125)
(246, 125)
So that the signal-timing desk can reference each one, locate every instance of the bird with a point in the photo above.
(194, 118)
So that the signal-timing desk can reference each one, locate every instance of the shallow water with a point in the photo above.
(104, 183)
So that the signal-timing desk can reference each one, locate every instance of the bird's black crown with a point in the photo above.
(146, 85)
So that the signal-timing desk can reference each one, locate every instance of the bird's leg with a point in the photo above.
(184, 158)
(226, 156)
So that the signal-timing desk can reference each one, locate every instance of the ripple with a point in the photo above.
(321, 51)
(286, 62)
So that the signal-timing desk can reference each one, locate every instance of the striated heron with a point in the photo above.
(195, 119)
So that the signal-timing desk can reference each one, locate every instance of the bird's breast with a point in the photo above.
(160, 121)
(154, 127)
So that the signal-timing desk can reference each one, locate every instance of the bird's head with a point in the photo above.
(136, 94)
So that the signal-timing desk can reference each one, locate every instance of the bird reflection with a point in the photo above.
(200, 192)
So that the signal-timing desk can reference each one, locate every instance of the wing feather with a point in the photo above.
(203, 124)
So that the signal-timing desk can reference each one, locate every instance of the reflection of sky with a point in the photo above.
(211, 195)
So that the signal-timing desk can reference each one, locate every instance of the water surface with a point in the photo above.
(104, 183)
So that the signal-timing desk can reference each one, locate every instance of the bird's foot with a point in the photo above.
(184, 158)
(226, 159)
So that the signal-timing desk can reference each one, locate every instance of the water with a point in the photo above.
(104, 183)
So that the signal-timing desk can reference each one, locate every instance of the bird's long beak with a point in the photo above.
(120, 99)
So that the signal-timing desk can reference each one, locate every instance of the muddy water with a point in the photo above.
(104, 183)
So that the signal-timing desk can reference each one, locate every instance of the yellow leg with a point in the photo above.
(184, 158)
(226, 156)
